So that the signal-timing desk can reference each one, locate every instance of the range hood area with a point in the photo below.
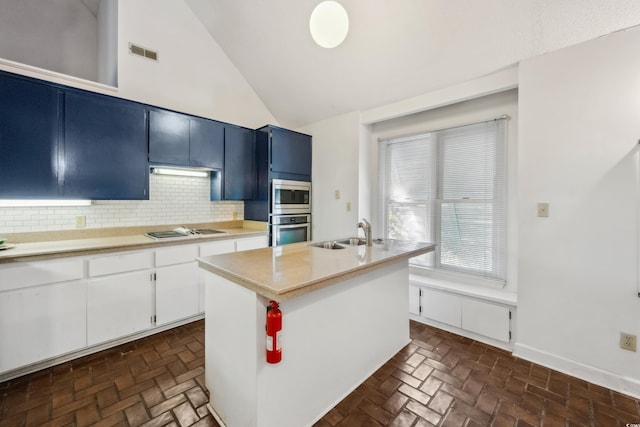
(179, 171)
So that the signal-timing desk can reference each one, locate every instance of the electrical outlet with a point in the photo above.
(543, 210)
(235, 215)
(348, 206)
(337, 194)
(81, 221)
(627, 341)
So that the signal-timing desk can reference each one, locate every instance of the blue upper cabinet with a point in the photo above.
(168, 138)
(206, 143)
(29, 134)
(282, 154)
(180, 140)
(105, 148)
(290, 154)
(239, 177)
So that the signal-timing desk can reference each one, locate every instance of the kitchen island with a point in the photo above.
(345, 313)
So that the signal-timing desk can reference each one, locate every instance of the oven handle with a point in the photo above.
(304, 224)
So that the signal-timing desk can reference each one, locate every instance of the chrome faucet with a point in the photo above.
(366, 227)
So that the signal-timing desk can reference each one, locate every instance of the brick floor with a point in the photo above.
(438, 379)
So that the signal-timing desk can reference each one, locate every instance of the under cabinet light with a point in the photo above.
(180, 172)
(43, 202)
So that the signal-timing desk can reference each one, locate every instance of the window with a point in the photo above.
(448, 187)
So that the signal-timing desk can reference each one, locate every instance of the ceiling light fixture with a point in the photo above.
(329, 24)
(180, 172)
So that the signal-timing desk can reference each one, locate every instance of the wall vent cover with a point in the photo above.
(144, 52)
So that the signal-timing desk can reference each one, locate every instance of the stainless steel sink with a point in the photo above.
(328, 245)
(352, 241)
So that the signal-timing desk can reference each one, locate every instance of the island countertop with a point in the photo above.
(284, 272)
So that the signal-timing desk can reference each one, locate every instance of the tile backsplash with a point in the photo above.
(172, 200)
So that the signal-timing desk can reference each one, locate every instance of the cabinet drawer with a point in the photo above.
(249, 243)
(217, 248)
(176, 255)
(120, 263)
(39, 273)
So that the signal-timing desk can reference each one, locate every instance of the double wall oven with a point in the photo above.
(290, 218)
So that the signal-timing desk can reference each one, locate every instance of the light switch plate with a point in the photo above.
(543, 210)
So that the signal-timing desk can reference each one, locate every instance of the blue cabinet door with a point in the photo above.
(105, 148)
(290, 153)
(206, 143)
(239, 177)
(29, 124)
(168, 138)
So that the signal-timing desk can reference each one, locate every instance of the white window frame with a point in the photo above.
(498, 276)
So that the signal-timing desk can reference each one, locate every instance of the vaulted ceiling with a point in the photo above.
(395, 49)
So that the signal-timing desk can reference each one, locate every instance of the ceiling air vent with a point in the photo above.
(141, 51)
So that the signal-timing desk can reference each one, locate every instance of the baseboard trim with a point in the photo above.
(624, 385)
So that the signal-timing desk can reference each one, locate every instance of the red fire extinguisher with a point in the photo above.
(274, 332)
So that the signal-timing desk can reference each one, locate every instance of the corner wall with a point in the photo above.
(192, 75)
(335, 168)
(578, 269)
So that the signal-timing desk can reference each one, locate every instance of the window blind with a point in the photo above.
(448, 187)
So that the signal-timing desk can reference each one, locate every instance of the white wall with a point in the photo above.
(192, 75)
(108, 42)
(57, 35)
(578, 269)
(335, 167)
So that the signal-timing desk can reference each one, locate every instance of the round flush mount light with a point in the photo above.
(329, 24)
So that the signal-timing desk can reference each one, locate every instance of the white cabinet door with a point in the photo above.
(177, 292)
(443, 307)
(485, 318)
(414, 300)
(249, 243)
(118, 305)
(41, 322)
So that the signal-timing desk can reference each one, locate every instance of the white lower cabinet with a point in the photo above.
(484, 318)
(118, 305)
(177, 292)
(119, 295)
(415, 293)
(442, 307)
(41, 322)
(462, 312)
(177, 283)
(53, 308)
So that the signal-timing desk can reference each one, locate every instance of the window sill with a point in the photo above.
(486, 290)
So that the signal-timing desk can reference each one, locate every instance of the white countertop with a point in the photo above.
(74, 247)
(283, 272)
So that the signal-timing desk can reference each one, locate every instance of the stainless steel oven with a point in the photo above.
(285, 229)
(290, 197)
